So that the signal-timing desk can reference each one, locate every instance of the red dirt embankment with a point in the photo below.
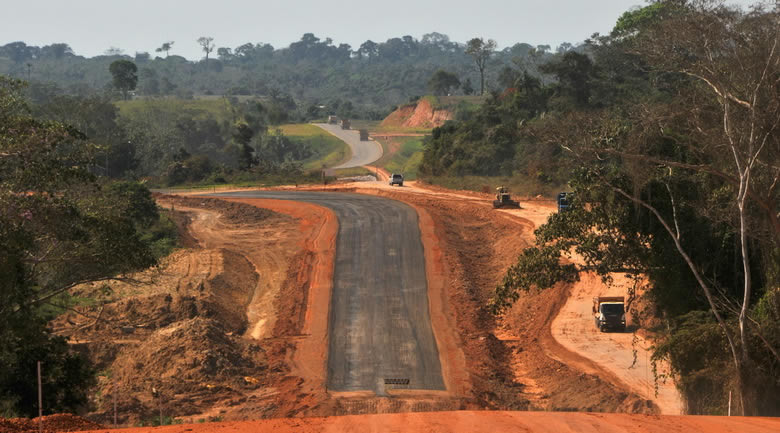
(417, 115)
(486, 421)
(302, 310)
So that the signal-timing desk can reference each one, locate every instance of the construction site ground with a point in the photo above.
(231, 328)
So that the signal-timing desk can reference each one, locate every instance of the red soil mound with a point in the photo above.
(417, 115)
(51, 423)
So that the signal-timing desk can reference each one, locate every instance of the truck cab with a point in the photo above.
(564, 199)
(609, 313)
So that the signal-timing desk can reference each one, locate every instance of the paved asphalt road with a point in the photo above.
(379, 323)
(363, 152)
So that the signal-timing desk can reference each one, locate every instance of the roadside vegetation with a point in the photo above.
(405, 159)
(60, 226)
(327, 150)
(666, 132)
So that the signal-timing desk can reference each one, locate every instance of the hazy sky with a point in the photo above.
(90, 27)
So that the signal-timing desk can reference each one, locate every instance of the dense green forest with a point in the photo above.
(666, 131)
(362, 81)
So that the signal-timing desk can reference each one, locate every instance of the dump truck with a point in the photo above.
(504, 199)
(333, 120)
(345, 123)
(364, 135)
(609, 313)
(564, 201)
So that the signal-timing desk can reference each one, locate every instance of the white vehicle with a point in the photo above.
(396, 179)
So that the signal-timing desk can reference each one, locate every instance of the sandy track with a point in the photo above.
(626, 355)
(488, 421)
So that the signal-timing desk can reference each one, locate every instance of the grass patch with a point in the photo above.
(408, 158)
(328, 150)
(218, 109)
(371, 125)
(379, 129)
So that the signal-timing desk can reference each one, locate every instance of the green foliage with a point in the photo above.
(323, 148)
(58, 228)
(124, 78)
(66, 376)
(442, 81)
(313, 71)
(536, 268)
(700, 351)
(408, 158)
(655, 195)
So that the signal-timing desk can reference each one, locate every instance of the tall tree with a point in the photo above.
(165, 47)
(480, 51)
(124, 76)
(442, 81)
(207, 45)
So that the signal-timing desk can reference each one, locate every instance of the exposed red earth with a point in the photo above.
(543, 355)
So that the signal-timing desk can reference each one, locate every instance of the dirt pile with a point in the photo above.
(232, 212)
(51, 424)
(420, 114)
(183, 328)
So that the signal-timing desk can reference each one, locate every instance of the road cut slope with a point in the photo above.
(363, 152)
(379, 323)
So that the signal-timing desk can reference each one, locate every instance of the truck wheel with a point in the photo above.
(496, 204)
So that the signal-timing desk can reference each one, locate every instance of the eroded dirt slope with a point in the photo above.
(209, 329)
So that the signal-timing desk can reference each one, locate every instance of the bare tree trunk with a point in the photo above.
(481, 81)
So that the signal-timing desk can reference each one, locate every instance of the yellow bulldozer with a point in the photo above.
(504, 199)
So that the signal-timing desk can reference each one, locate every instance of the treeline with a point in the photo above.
(666, 132)
(60, 226)
(313, 71)
(173, 142)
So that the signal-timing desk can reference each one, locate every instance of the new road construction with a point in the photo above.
(363, 152)
(379, 325)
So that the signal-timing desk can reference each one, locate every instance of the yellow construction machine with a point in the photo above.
(504, 200)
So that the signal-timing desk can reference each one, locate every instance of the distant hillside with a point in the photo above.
(320, 76)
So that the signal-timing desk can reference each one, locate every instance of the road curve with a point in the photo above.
(363, 152)
(379, 323)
